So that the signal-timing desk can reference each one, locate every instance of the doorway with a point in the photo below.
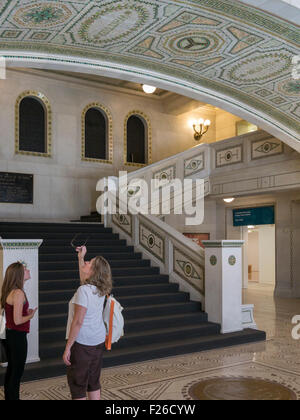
(261, 254)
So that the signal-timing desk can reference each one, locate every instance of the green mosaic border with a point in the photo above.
(199, 82)
(252, 15)
(224, 245)
(18, 245)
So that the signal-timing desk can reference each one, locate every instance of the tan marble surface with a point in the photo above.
(276, 361)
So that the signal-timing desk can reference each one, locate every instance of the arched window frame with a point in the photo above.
(146, 121)
(48, 122)
(108, 117)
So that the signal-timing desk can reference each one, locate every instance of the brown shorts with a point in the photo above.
(85, 370)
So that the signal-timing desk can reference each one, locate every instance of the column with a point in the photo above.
(287, 247)
(11, 251)
(223, 283)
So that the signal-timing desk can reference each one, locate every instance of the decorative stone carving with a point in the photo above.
(194, 164)
(124, 221)
(165, 175)
(188, 269)
(229, 156)
(152, 242)
(213, 260)
(265, 148)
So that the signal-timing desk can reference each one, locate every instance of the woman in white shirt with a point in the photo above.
(86, 331)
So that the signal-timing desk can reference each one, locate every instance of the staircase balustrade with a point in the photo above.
(169, 249)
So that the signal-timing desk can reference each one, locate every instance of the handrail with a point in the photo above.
(193, 163)
(199, 148)
(174, 234)
(148, 168)
(173, 246)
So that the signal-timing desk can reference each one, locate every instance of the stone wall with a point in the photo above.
(64, 185)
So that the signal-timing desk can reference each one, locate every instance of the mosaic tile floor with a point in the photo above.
(274, 366)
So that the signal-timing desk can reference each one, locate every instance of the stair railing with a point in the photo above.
(190, 164)
(175, 255)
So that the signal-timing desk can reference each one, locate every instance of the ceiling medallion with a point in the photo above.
(113, 23)
(42, 15)
(193, 43)
(259, 67)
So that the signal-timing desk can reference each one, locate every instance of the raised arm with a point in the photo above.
(81, 254)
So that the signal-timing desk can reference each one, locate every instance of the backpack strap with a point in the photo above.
(110, 331)
(105, 301)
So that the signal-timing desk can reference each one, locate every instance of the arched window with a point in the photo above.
(137, 139)
(33, 124)
(97, 137)
(95, 134)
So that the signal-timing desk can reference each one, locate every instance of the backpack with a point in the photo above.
(3, 355)
(113, 321)
(2, 325)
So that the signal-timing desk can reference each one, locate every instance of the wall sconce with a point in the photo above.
(200, 128)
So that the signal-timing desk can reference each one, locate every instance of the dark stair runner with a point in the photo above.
(160, 321)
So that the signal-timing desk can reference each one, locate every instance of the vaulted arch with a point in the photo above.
(223, 52)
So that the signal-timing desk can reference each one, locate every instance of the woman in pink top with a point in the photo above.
(18, 316)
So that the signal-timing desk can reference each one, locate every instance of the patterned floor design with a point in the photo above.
(275, 362)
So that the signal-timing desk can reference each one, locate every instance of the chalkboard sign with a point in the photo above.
(254, 216)
(16, 188)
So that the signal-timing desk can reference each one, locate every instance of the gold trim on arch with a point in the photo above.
(149, 139)
(45, 101)
(109, 137)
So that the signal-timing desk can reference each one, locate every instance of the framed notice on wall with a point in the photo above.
(16, 188)
(198, 237)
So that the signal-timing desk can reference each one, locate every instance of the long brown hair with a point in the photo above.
(13, 280)
(101, 277)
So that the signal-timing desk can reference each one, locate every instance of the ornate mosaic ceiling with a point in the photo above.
(230, 51)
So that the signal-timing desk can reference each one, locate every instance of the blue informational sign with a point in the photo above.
(254, 216)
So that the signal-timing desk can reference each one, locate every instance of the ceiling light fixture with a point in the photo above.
(149, 89)
(228, 200)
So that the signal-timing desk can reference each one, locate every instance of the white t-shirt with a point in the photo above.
(93, 330)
